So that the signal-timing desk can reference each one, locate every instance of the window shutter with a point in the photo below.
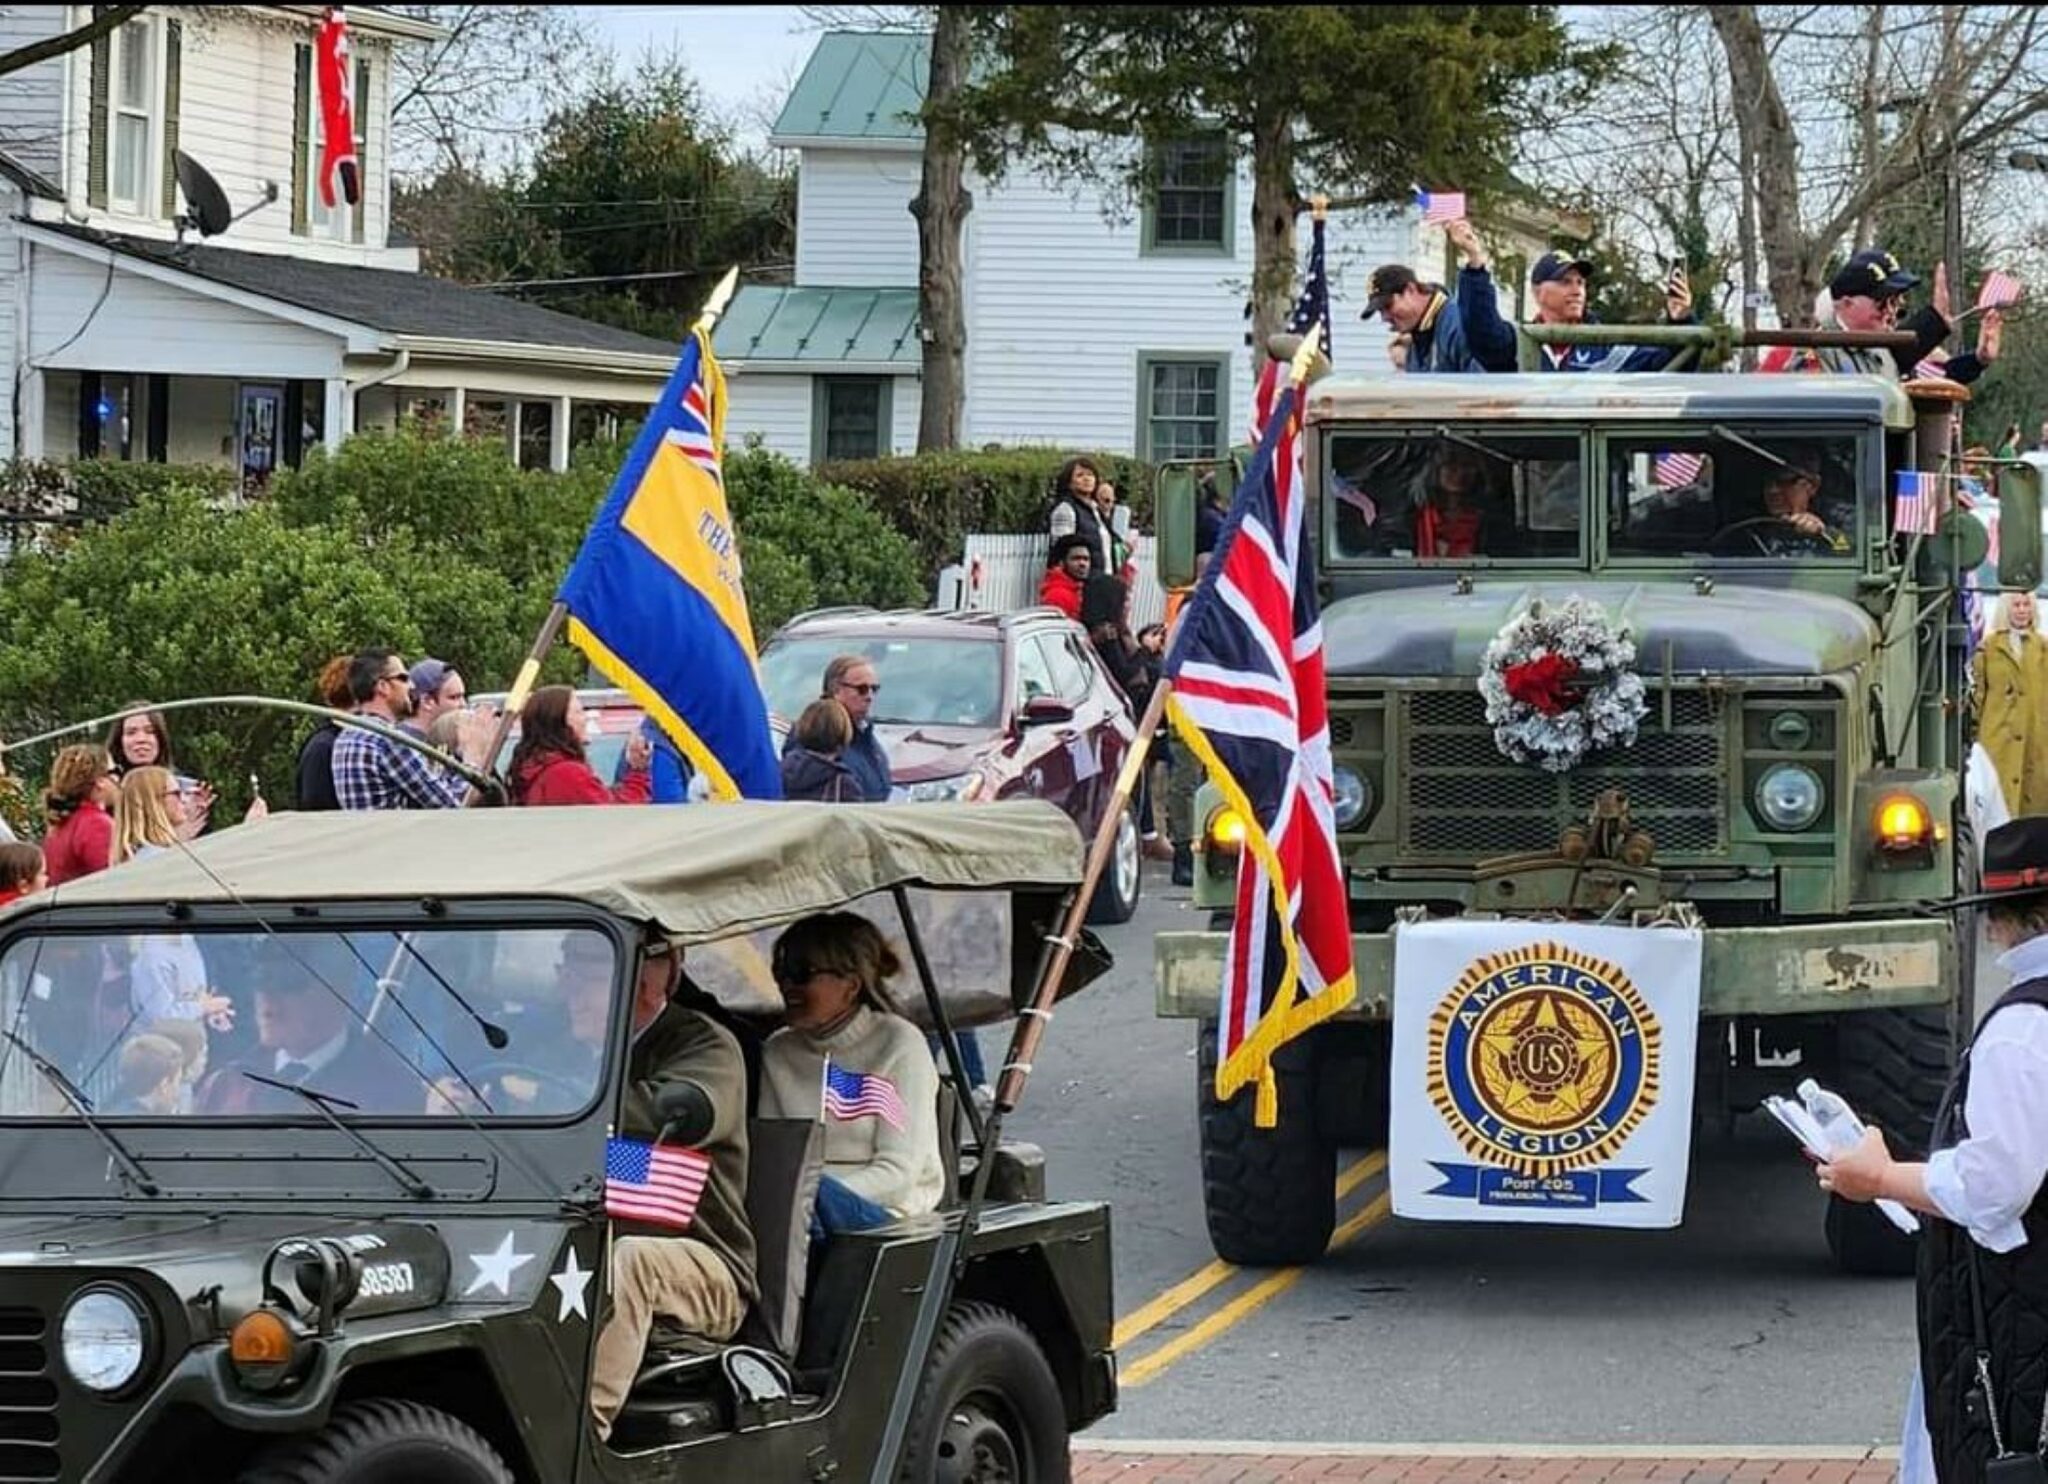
(302, 134)
(362, 113)
(173, 52)
(96, 123)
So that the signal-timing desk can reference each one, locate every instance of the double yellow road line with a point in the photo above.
(1189, 1290)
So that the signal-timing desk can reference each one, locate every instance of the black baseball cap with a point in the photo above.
(1871, 274)
(1554, 265)
(1386, 281)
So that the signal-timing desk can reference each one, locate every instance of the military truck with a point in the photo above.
(368, 1240)
(1792, 789)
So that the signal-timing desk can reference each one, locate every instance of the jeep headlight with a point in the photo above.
(1789, 797)
(944, 790)
(105, 1339)
(1354, 796)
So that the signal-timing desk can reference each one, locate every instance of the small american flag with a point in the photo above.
(2001, 290)
(1917, 508)
(1677, 470)
(850, 1095)
(656, 1183)
(1441, 207)
(1934, 365)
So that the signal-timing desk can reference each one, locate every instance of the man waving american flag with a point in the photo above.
(1248, 698)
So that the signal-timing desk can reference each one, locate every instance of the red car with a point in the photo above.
(979, 706)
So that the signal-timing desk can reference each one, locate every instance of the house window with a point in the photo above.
(1182, 401)
(131, 122)
(1190, 206)
(850, 417)
(336, 222)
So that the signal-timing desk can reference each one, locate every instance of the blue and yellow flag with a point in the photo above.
(654, 596)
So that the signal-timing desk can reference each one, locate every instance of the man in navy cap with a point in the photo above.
(1561, 284)
(1868, 294)
(1447, 331)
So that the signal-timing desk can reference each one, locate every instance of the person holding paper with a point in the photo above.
(1983, 1282)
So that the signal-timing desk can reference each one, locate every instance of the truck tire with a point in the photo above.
(1892, 1066)
(1270, 1194)
(383, 1442)
(1116, 896)
(988, 1407)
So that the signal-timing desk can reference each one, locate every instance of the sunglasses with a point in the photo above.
(864, 690)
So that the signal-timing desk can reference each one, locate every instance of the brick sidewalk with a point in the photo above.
(1096, 1467)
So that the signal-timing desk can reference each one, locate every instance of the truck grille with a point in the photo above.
(1466, 801)
(28, 1398)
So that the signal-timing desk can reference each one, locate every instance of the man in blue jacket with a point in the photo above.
(1458, 331)
(1561, 284)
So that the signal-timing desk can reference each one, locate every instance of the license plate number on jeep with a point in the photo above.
(1861, 968)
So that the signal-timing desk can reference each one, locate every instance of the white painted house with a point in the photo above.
(1087, 326)
(126, 336)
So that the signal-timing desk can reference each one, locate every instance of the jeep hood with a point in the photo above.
(1734, 630)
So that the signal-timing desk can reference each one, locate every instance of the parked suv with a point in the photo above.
(977, 706)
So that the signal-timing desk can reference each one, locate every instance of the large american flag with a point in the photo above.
(1311, 308)
(850, 1095)
(1917, 508)
(656, 1183)
(1249, 699)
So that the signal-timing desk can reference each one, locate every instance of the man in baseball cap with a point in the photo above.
(437, 687)
(1446, 330)
(1561, 284)
(1867, 295)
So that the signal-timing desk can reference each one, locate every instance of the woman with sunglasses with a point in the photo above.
(845, 1056)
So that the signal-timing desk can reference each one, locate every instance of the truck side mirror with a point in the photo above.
(1175, 497)
(2019, 526)
(686, 1113)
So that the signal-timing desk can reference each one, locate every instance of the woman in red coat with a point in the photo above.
(548, 765)
(83, 784)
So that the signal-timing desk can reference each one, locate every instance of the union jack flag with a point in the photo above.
(1441, 207)
(656, 1183)
(851, 1095)
(2001, 290)
(1311, 308)
(1674, 471)
(1248, 698)
(694, 430)
(1916, 509)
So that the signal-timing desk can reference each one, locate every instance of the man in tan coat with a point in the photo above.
(2009, 694)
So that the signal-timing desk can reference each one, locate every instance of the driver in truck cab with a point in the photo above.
(1790, 491)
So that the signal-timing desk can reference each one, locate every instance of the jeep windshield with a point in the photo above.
(488, 1022)
(1733, 493)
(1448, 494)
(925, 681)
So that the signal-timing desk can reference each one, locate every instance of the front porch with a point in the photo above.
(207, 355)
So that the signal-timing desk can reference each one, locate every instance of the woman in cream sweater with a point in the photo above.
(846, 1057)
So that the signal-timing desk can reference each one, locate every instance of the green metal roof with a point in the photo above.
(821, 326)
(859, 85)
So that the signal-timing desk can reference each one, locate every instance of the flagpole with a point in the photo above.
(1033, 1020)
(558, 611)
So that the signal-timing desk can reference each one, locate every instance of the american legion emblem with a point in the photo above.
(1542, 1061)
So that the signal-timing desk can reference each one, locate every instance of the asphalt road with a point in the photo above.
(1733, 1330)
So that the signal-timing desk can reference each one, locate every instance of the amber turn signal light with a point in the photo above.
(1903, 823)
(264, 1348)
(1226, 831)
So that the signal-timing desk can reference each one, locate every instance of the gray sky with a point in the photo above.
(744, 56)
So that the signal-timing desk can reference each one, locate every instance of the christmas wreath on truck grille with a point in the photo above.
(1558, 682)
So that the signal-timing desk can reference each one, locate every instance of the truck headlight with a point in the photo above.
(1354, 796)
(944, 790)
(105, 1339)
(1789, 797)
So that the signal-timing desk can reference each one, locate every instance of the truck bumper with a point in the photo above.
(1805, 969)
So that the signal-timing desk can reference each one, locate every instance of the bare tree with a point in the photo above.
(106, 19)
(470, 100)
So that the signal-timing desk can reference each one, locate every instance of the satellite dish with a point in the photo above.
(209, 212)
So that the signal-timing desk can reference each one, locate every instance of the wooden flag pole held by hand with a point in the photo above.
(558, 613)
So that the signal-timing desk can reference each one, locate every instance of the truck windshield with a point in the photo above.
(166, 1025)
(1444, 494)
(1737, 493)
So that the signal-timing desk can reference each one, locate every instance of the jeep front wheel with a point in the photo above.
(383, 1442)
(1270, 1194)
(988, 1409)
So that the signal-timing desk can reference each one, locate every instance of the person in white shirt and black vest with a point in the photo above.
(1977, 1414)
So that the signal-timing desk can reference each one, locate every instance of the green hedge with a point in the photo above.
(937, 499)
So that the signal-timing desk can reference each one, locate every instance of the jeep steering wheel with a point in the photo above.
(1752, 530)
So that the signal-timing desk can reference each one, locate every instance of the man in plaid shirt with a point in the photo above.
(372, 771)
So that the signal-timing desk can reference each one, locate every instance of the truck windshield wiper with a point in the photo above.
(1743, 443)
(1474, 444)
(130, 1165)
(413, 1185)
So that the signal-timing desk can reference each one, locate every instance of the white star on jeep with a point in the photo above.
(495, 1269)
(571, 1281)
